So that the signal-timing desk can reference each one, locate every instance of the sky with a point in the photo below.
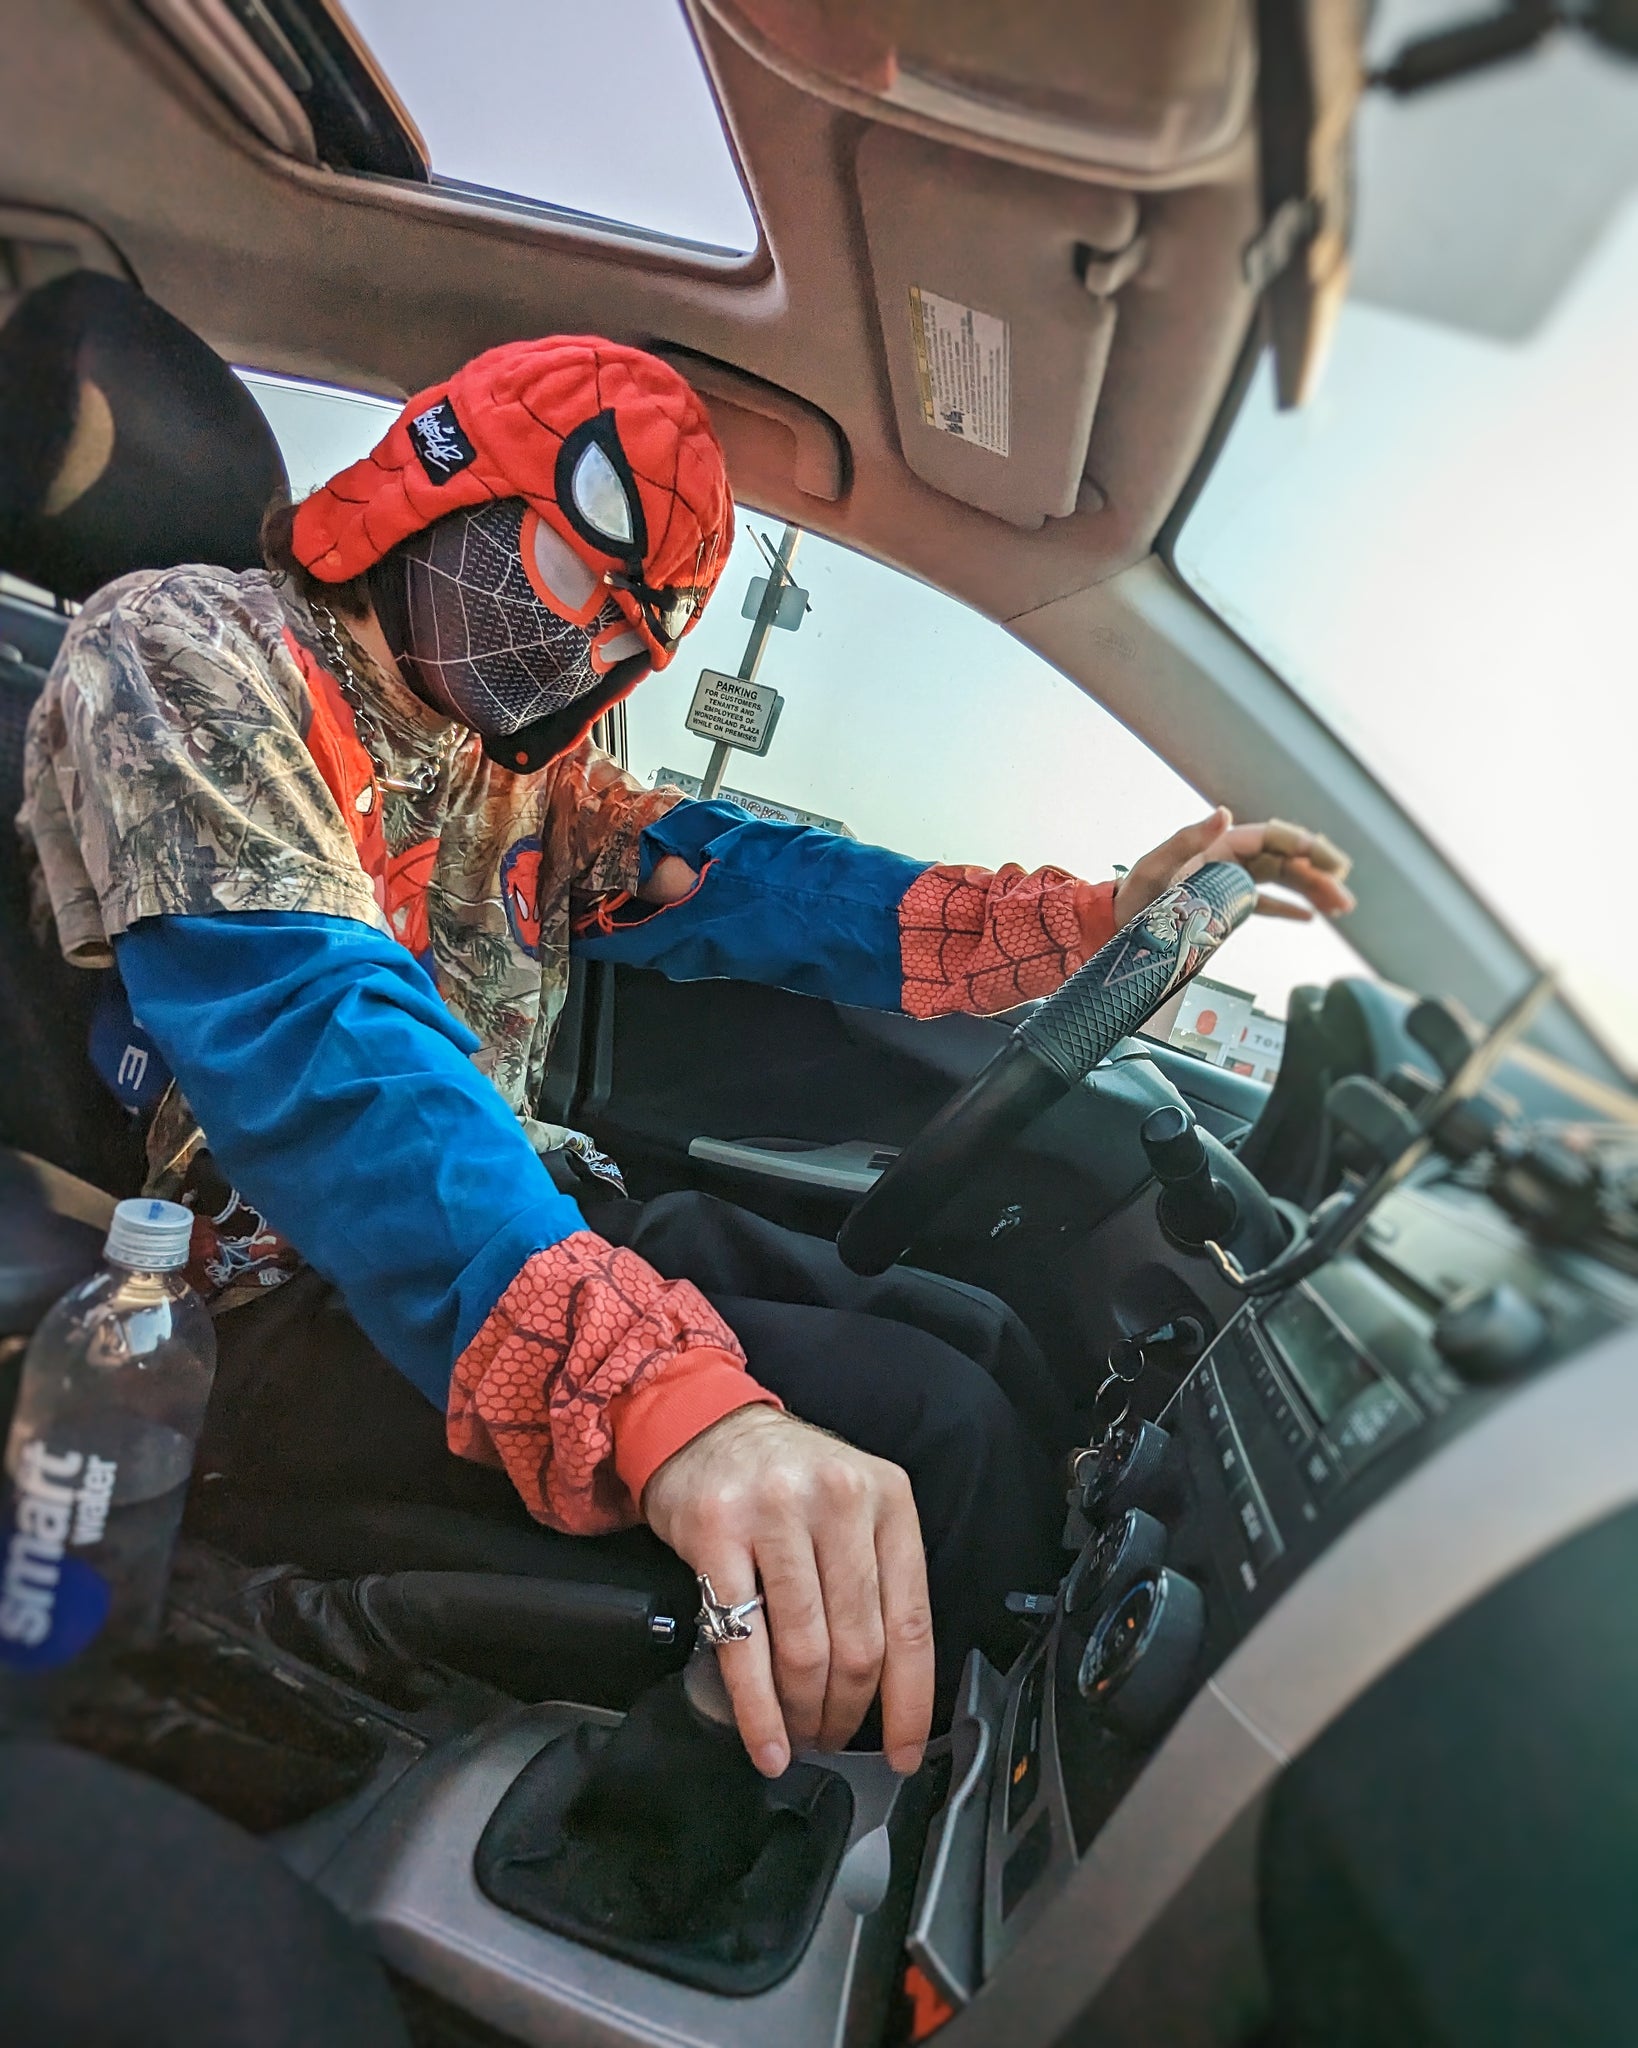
(602, 107)
(1438, 552)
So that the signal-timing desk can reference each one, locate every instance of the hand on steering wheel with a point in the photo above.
(1153, 954)
(1290, 855)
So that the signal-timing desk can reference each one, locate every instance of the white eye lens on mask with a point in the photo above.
(600, 497)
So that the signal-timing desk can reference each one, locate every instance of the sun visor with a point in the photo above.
(1146, 91)
(997, 291)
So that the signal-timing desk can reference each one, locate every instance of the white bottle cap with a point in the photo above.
(149, 1235)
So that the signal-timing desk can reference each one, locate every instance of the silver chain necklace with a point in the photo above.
(425, 778)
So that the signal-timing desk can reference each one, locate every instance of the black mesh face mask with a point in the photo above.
(486, 648)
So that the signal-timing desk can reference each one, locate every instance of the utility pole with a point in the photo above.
(761, 626)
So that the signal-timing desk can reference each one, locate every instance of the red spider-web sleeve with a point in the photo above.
(587, 1374)
(976, 941)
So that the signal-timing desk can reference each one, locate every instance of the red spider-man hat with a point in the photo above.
(606, 444)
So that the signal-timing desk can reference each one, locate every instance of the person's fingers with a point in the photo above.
(845, 1547)
(797, 1629)
(1325, 892)
(1253, 846)
(907, 1631)
(1283, 906)
(747, 1668)
(1282, 837)
(1189, 846)
(1330, 859)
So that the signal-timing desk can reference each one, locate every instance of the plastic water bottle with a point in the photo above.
(113, 1395)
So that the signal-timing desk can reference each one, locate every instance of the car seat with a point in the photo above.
(171, 461)
(125, 443)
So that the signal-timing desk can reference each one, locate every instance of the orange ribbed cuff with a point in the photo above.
(690, 1393)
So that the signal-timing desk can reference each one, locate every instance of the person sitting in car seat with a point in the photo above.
(339, 827)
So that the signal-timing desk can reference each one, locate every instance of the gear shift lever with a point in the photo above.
(660, 1841)
(673, 1800)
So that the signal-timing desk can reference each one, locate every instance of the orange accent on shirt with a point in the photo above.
(655, 1420)
(982, 942)
(341, 758)
(600, 919)
(408, 874)
(535, 1392)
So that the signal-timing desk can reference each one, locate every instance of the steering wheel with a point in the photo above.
(1050, 1052)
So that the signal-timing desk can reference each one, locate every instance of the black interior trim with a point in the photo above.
(355, 124)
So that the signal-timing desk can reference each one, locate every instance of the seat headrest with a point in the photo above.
(125, 442)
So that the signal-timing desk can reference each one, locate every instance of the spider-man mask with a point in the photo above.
(507, 629)
(539, 530)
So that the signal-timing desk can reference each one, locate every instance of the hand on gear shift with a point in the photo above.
(833, 1537)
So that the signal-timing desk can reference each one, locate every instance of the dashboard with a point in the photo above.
(1350, 1459)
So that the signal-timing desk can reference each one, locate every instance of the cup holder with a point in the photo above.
(212, 1720)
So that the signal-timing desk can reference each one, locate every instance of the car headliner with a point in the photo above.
(386, 285)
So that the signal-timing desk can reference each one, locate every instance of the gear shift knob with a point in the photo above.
(705, 1691)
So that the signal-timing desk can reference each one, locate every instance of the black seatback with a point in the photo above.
(51, 1101)
(125, 443)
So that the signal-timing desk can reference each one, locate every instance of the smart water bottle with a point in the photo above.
(113, 1395)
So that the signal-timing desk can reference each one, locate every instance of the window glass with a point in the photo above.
(319, 429)
(1437, 552)
(602, 110)
(918, 724)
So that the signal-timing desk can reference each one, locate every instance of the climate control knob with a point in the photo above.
(1130, 1548)
(1137, 1667)
(1132, 1467)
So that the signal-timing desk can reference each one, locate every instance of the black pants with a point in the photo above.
(935, 1376)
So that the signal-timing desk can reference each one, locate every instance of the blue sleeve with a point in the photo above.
(784, 904)
(338, 1094)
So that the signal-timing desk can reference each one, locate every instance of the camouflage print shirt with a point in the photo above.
(192, 753)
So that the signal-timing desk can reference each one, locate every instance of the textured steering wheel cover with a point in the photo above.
(1126, 981)
(1121, 986)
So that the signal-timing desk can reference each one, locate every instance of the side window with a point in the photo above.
(917, 724)
(319, 428)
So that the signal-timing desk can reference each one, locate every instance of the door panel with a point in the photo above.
(728, 1087)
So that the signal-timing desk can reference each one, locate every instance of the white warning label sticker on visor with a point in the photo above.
(963, 370)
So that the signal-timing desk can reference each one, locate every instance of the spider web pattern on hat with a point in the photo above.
(480, 635)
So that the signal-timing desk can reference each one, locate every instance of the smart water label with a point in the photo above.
(52, 1603)
(963, 370)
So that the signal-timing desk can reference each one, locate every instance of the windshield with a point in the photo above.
(1438, 553)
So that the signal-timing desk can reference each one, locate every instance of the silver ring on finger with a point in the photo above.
(722, 1621)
